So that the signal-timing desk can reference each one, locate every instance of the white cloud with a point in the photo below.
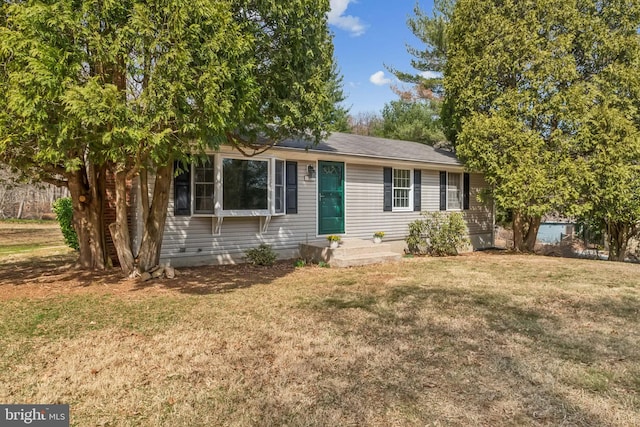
(379, 79)
(348, 23)
(431, 74)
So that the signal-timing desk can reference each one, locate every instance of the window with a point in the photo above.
(203, 183)
(236, 187)
(279, 188)
(402, 189)
(245, 184)
(454, 191)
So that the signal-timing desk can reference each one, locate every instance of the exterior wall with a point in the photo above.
(191, 240)
(365, 213)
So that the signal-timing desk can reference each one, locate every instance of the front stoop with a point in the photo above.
(351, 252)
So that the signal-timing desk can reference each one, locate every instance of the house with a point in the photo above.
(295, 194)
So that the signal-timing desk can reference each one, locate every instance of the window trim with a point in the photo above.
(410, 206)
(218, 189)
(194, 212)
(220, 184)
(460, 191)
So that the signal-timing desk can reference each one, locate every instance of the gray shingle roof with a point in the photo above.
(382, 148)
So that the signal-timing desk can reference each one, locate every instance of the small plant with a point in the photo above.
(378, 234)
(334, 238)
(262, 255)
(323, 264)
(63, 208)
(300, 263)
(438, 234)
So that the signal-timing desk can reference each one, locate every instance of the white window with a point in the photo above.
(245, 185)
(204, 184)
(279, 188)
(228, 186)
(454, 191)
(402, 191)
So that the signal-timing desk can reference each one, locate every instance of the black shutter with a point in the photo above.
(388, 189)
(182, 190)
(292, 187)
(417, 190)
(443, 191)
(466, 187)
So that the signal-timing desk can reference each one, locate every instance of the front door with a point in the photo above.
(330, 198)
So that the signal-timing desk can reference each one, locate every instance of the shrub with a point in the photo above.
(63, 208)
(437, 234)
(262, 255)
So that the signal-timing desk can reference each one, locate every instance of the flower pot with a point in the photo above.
(334, 245)
(377, 240)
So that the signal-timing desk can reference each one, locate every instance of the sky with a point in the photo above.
(369, 34)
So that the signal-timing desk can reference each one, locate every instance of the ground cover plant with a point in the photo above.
(479, 339)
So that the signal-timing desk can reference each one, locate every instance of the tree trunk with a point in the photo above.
(532, 233)
(525, 232)
(153, 232)
(618, 236)
(518, 231)
(87, 218)
(120, 229)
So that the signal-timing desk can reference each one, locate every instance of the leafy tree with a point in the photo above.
(412, 121)
(431, 59)
(339, 118)
(367, 124)
(608, 57)
(91, 88)
(514, 95)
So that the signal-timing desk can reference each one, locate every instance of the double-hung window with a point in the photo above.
(402, 195)
(279, 188)
(204, 185)
(454, 191)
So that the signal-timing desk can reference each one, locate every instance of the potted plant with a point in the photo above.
(334, 241)
(377, 236)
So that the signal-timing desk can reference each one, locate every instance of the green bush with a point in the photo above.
(262, 255)
(438, 234)
(63, 208)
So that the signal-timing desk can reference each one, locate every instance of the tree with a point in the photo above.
(412, 121)
(91, 88)
(513, 98)
(366, 123)
(608, 57)
(430, 60)
(339, 118)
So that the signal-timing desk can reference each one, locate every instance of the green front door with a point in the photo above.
(330, 198)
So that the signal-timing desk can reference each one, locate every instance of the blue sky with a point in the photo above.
(367, 35)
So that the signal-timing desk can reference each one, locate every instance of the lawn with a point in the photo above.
(483, 339)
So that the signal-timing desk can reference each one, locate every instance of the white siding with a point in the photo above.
(365, 213)
(189, 240)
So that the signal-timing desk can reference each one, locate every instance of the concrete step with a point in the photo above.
(353, 260)
(361, 248)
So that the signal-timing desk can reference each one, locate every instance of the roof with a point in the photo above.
(382, 148)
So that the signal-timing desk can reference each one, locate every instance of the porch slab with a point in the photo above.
(352, 252)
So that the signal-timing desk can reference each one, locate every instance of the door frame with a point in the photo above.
(344, 196)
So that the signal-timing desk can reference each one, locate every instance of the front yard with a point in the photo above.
(482, 339)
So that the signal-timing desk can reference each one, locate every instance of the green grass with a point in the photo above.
(28, 221)
(21, 249)
(475, 340)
